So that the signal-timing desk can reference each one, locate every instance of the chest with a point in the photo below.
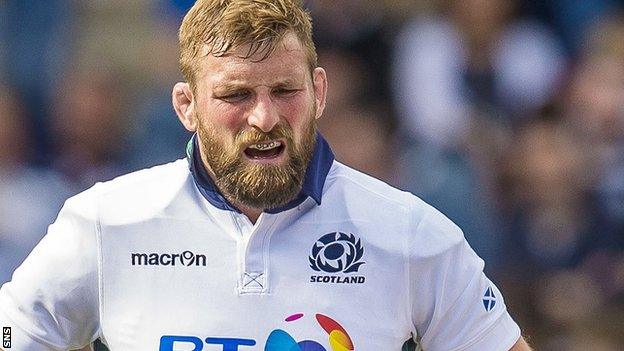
(225, 284)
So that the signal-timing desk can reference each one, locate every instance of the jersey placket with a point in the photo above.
(253, 251)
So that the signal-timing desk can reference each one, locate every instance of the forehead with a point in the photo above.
(288, 62)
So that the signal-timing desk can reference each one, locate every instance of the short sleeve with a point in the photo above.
(454, 305)
(51, 303)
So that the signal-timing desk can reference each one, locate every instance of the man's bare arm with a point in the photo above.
(521, 345)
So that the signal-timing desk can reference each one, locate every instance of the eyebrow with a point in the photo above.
(227, 86)
(231, 86)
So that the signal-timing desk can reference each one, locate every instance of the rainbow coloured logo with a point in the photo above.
(339, 339)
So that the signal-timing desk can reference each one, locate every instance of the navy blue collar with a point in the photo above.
(315, 176)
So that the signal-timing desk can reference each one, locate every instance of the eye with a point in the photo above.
(234, 97)
(285, 92)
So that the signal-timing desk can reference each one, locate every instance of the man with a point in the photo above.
(259, 240)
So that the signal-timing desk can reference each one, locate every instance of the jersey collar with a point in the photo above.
(315, 176)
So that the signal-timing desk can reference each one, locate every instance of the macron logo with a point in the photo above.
(186, 258)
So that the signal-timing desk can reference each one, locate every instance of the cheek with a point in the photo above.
(222, 118)
(297, 112)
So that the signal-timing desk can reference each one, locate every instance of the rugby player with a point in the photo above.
(259, 239)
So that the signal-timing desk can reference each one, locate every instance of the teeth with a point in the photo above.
(265, 146)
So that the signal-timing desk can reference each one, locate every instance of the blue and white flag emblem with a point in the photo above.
(489, 299)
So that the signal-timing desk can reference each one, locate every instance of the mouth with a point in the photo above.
(265, 151)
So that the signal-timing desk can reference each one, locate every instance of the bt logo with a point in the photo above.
(278, 340)
(167, 342)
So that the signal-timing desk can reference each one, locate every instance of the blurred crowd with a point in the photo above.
(506, 115)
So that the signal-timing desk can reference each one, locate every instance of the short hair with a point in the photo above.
(224, 25)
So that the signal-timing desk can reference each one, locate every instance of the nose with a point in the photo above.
(264, 114)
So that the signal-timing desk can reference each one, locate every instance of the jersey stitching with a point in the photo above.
(100, 258)
(266, 251)
(253, 278)
(437, 316)
(459, 297)
(240, 261)
(265, 258)
(407, 259)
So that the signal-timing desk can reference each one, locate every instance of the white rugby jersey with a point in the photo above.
(158, 260)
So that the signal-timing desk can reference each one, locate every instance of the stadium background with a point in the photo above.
(506, 115)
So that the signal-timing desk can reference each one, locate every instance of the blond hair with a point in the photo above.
(215, 27)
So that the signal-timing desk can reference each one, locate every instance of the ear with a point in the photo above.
(184, 106)
(319, 80)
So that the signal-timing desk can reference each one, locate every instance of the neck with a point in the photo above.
(250, 212)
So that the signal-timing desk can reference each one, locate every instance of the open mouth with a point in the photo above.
(265, 150)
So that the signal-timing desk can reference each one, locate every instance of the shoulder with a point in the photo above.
(133, 196)
(359, 188)
(367, 197)
(146, 180)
